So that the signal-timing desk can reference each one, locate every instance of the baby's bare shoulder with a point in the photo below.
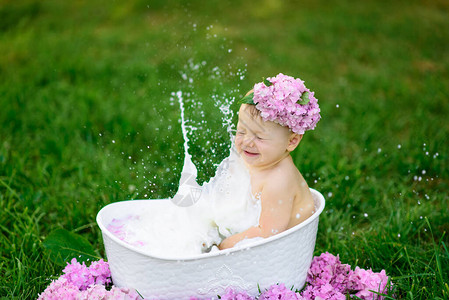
(283, 180)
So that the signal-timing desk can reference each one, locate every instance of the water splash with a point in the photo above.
(200, 216)
(189, 190)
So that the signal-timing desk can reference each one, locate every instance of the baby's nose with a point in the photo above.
(249, 140)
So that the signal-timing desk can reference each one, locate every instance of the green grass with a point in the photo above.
(84, 85)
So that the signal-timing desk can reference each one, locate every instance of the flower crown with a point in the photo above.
(286, 101)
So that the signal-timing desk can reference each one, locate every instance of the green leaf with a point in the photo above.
(267, 82)
(304, 98)
(248, 99)
(64, 245)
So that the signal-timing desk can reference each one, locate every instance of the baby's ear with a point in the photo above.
(293, 141)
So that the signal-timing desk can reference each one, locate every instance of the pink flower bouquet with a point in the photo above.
(327, 278)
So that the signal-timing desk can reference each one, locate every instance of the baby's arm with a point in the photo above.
(274, 218)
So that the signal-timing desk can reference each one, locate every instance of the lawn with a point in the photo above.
(88, 118)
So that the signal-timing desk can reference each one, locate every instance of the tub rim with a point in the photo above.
(225, 252)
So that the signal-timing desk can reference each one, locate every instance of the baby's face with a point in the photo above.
(260, 143)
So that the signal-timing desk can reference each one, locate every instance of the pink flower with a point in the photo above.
(81, 282)
(60, 289)
(328, 279)
(322, 292)
(78, 275)
(280, 103)
(328, 276)
(82, 276)
(99, 270)
(99, 292)
(232, 295)
(123, 293)
(279, 292)
(370, 281)
(94, 292)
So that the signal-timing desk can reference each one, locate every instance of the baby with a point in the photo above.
(272, 120)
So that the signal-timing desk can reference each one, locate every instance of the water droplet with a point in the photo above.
(337, 106)
(379, 150)
(399, 235)
(399, 146)
(113, 141)
(329, 194)
(365, 215)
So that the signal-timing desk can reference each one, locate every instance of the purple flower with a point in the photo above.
(99, 270)
(82, 276)
(328, 276)
(324, 292)
(370, 281)
(78, 275)
(232, 295)
(279, 292)
(60, 289)
(80, 282)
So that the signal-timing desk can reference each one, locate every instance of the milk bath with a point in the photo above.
(198, 217)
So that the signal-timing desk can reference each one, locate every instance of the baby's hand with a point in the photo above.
(227, 243)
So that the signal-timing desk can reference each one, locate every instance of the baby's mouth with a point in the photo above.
(249, 153)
